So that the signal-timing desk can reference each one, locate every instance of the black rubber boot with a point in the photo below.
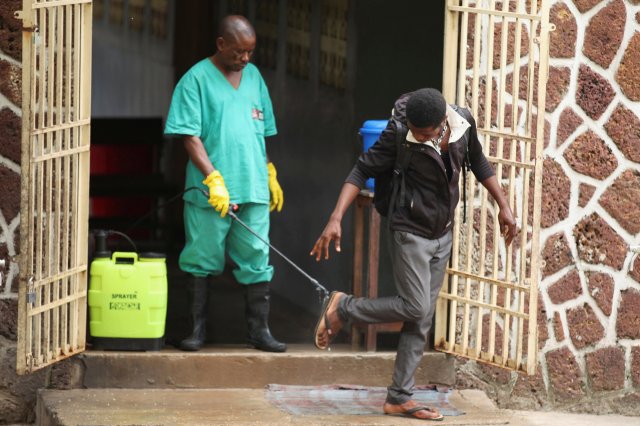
(197, 287)
(257, 313)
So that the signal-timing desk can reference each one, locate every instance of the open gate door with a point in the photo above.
(56, 63)
(496, 64)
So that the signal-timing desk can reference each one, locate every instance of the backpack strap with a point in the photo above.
(403, 157)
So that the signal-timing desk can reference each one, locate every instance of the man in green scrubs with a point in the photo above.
(222, 111)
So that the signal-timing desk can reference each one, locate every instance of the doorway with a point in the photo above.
(377, 53)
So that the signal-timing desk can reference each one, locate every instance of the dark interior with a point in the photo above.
(136, 173)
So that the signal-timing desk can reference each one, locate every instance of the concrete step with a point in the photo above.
(225, 385)
(220, 407)
(92, 407)
(236, 367)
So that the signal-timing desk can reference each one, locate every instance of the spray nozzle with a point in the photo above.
(101, 243)
(101, 236)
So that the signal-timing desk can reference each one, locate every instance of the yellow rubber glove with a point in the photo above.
(277, 196)
(218, 194)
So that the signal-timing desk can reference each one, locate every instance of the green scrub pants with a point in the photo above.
(209, 236)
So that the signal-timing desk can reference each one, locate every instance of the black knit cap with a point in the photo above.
(426, 108)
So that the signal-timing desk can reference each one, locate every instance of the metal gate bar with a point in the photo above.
(488, 305)
(55, 166)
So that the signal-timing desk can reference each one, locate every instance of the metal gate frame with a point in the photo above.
(56, 102)
(482, 270)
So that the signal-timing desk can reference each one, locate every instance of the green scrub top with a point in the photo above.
(232, 124)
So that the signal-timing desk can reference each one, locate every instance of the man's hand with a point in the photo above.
(332, 232)
(508, 227)
(277, 196)
(218, 194)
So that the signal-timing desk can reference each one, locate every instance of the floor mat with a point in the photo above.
(349, 399)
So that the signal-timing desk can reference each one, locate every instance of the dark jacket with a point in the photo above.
(430, 197)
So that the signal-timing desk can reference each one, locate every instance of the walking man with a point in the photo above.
(438, 138)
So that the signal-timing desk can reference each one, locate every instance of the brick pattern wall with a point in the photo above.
(589, 321)
(10, 125)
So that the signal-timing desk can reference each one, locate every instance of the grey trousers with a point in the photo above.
(419, 266)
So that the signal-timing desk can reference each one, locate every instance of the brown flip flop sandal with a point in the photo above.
(324, 321)
(411, 413)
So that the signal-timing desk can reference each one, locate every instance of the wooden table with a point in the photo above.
(365, 281)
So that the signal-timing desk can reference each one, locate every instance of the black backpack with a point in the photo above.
(388, 183)
(389, 186)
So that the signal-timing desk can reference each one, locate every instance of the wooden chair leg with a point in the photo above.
(358, 258)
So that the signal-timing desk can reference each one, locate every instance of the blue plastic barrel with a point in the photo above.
(370, 132)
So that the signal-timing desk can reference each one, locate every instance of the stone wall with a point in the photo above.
(589, 316)
(10, 124)
(15, 398)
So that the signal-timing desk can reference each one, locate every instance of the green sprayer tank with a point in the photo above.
(128, 301)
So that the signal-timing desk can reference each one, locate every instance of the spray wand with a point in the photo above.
(323, 293)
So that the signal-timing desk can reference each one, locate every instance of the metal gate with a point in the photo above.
(496, 64)
(56, 63)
